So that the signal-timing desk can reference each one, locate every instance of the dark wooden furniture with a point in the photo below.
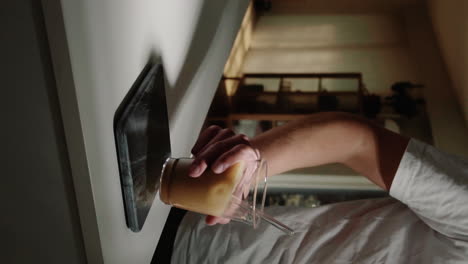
(252, 102)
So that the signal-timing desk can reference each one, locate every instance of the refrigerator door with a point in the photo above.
(98, 49)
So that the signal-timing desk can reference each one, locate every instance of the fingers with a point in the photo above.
(214, 150)
(236, 154)
(224, 221)
(215, 143)
(213, 220)
(221, 135)
(204, 138)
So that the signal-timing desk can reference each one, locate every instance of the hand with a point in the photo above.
(219, 149)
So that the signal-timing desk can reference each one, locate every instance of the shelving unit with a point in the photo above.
(240, 99)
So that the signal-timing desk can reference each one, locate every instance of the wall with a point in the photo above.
(450, 22)
(107, 44)
(448, 127)
(235, 62)
(375, 45)
(39, 220)
(341, 6)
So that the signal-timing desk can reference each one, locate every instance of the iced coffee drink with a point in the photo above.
(208, 194)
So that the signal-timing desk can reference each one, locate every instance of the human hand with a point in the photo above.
(219, 149)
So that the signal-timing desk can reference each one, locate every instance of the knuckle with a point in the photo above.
(243, 136)
(244, 139)
(198, 161)
(244, 148)
(227, 131)
(224, 158)
(219, 144)
(214, 127)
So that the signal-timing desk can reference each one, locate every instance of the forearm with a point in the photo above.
(333, 138)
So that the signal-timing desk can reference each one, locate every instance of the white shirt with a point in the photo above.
(426, 221)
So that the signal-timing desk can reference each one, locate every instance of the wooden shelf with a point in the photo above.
(282, 105)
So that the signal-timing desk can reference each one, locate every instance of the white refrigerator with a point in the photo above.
(95, 50)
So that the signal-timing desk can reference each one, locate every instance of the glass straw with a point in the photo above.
(275, 223)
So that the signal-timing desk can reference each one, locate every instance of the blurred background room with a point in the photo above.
(388, 61)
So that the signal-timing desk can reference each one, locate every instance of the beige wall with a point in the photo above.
(235, 62)
(450, 22)
(341, 6)
(375, 45)
(448, 127)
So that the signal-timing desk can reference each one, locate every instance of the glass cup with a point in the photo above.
(237, 194)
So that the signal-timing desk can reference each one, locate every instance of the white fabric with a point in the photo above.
(425, 222)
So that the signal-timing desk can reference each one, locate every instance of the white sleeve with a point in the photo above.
(434, 185)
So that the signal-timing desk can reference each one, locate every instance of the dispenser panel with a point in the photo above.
(141, 131)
